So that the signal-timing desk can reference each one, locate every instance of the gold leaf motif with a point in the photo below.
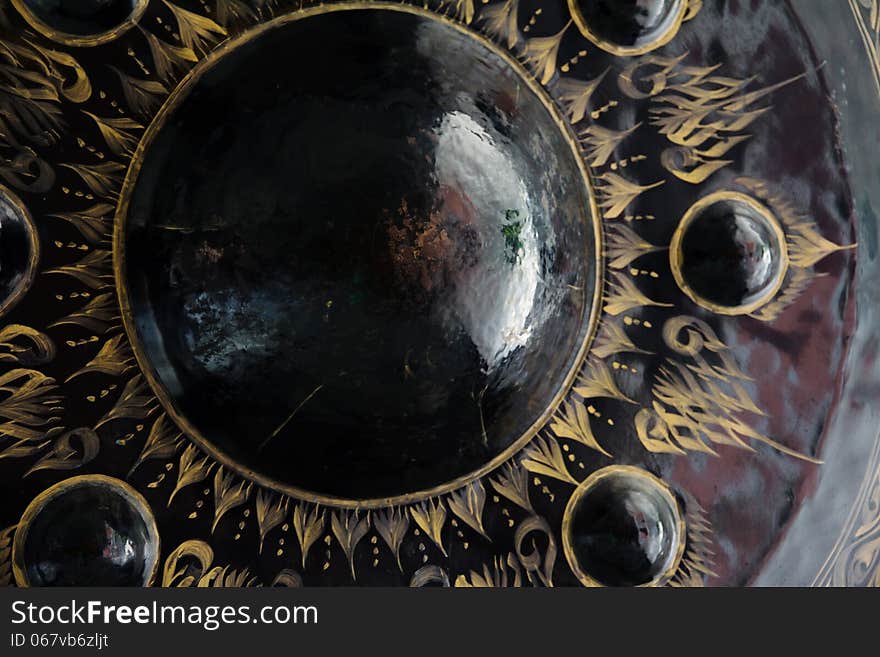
(227, 577)
(142, 96)
(230, 491)
(93, 271)
(103, 179)
(612, 339)
(494, 576)
(699, 405)
(600, 145)
(22, 345)
(234, 10)
(806, 246)
(513, 483)
(163, 442)
(100, 315)
(29, 406)
(595, 380)
(70, 451)
(392, 525)
(572, 422)
(541, 54)
(308, 526)
(430, 516)
(616, 193)
(117, 133)
(271, 510)
(798, 281)
(500, 21)
(349, 530)
(544, 457)
(114, 359)
(168, 60)
(622, 295)
(93, 223)
(624, 246)
(468, 503)
(575, 95)
(696, 562)
(136, 402)
(191, 470)
(197, 33)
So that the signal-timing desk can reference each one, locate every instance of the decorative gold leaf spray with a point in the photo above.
(622, 295)
(541, 53)
(543, 456)
(349, 530)
(467, 503)
(136, 402)
(94, 223)
(191, 470)
(94, 270)
(117, 133)
(500, 22)
(22, 345)
(595, 380)
(600, 144)
(30, 407)
(575, 95)
(230, 491)
(612, 339)
(308, 525)
(103, 179)
(198, 33)
(623, 246)
(513, 483)
(392, 525)
(271, 511)
(163, 442)
(430, 516)
(169, 60)
(616, 193)
(114, 359)
(100, 315)
(572, 422)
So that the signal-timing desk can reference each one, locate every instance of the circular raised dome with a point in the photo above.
(623, 527)
(86, 531)
(81, 22)
(364, 272)
(628, 27)
(19, 250)
(729, 254)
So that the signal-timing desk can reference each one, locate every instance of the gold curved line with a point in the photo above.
(119, 261)
(629, 51)
(76, 40)
(39, 502)
(628, 471)
(33, 257)
(676, 255)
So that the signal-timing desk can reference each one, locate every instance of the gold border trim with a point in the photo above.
(84, 40)
(625, 471)
(676, 257)
(660, 40)
(40, 501)
(119, 261)
(30, 275)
